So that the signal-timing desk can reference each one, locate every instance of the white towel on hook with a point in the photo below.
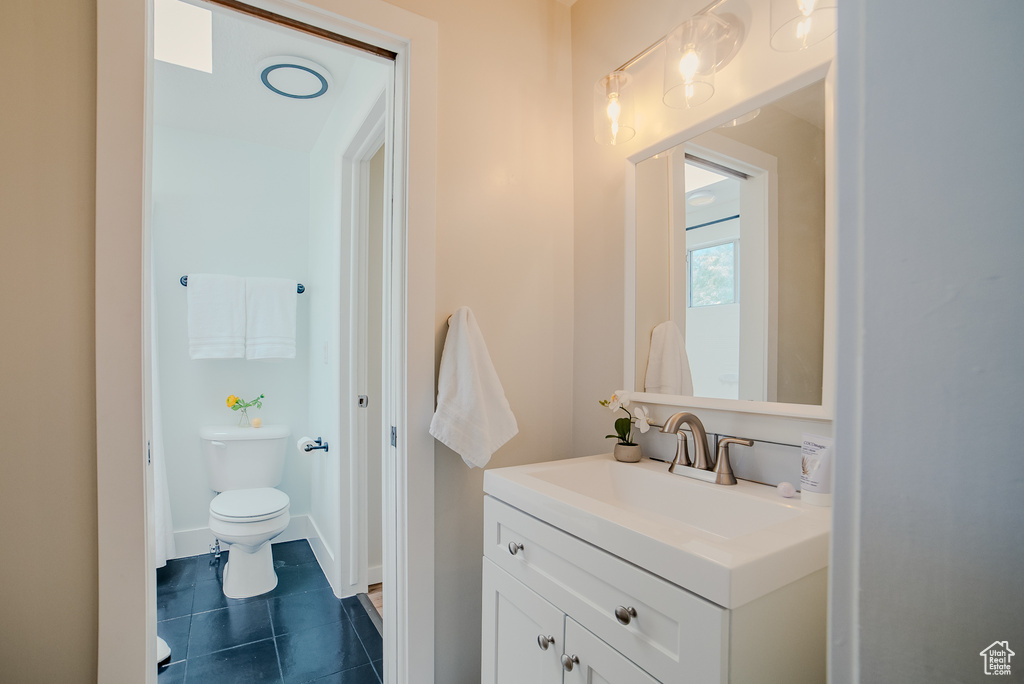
(270, 318)
(216, 316)
(668, 367)
(473, 417)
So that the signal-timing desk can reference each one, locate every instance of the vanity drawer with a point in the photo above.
(675, 635)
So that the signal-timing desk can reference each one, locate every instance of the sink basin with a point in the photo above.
(660, 495)
(729, 544)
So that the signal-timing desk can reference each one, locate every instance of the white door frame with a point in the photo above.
(127, 588)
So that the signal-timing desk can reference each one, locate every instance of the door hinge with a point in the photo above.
(394, 436)
(149, 453)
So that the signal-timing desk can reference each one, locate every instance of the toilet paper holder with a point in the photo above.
(318, 444)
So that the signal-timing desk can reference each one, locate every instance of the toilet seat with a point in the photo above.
(249, 505)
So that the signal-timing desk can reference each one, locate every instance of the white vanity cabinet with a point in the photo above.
(624, 624)
(525, 639)
(673, 635)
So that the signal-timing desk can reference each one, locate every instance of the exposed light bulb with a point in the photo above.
(688, 65)
(614, 109)
(803, 29)
(806, 7)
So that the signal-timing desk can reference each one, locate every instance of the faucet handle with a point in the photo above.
(723, 468)
(682, 453)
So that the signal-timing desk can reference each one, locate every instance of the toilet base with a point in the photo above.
(249, 573)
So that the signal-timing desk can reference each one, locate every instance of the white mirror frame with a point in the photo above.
(799, 412)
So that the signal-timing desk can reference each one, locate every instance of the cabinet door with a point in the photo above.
(598, 663)
(514, 618)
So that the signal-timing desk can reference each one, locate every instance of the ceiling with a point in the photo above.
(232, 102)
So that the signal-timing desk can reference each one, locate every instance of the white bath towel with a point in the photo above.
(270, 318)
(668, 368)
(216, 316)
(473, 417)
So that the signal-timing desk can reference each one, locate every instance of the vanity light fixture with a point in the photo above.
(613, 109)
(690, 61)
(695, 51)
(799, 24)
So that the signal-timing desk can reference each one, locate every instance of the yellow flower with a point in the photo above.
(232, 400)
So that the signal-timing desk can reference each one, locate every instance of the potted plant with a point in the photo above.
(626, 450)
(243, 406)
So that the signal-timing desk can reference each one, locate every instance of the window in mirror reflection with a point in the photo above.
(713, 275)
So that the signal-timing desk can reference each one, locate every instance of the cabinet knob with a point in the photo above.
(514, 548)
(625, 615)
(545, 641)
(568, 661)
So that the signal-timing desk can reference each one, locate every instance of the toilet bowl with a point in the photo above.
(248, 519)
(244, 465)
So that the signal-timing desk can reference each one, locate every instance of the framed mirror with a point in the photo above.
(729, 262)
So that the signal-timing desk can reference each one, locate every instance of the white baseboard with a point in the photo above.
(324, 556)
(197, 542)
(374, 574)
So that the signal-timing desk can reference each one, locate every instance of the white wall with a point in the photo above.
(606, 33)
(929, 505)
(233, 207)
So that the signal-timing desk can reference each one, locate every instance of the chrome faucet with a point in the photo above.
(722, 468)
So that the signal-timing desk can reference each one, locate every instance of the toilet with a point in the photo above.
(245, 465)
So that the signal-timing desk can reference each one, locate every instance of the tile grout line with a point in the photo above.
(277, 652)
(365, 650)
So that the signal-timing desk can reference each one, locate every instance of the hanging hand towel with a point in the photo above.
(270, 318)
(473, 417)
(216, 316)
(668, 368)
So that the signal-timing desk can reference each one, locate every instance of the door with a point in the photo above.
(522, 633)
(596, 662)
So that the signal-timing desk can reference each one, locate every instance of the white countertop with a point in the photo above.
(729, 544)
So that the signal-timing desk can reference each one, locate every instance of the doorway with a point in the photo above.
(127, 608)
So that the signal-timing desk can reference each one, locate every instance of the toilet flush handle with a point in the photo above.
(219, 445)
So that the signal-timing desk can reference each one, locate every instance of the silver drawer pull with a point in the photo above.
(568, 661)
(514, 548)
(625, 615)
(545, 641)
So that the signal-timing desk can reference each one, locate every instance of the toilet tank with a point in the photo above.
(244, 458)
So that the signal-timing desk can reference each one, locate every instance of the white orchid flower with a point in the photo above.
(615, 403)
(643, 419)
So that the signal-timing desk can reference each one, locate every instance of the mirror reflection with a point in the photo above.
(730, 250)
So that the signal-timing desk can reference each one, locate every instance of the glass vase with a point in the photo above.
(243, 418)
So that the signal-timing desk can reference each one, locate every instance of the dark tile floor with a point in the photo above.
(299, 632)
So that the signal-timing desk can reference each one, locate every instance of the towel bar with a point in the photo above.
(300, 288)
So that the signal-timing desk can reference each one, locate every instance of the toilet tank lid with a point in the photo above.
(226, 433)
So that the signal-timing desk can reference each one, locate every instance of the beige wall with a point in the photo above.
(799, 148)
(504, 248)
(653, 273)
(504, 245)
(47, 406)
(606, 33)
